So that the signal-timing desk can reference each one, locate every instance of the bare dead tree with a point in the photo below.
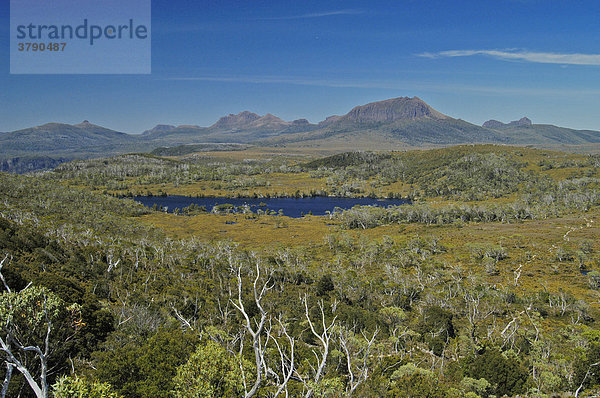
(587, 374)
(255, 329)
(2, 276)
(517, 273)
(324, 339)
(184, 322)
(562, 302)
(286, 358)
(40, 390)
(477, 311)
(533, 323)
(356, 357)
(7, 377)
(509, 331)
(19, 327)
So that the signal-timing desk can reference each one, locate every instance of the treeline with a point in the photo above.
(370, 216)
(568, 196)
(125, 171)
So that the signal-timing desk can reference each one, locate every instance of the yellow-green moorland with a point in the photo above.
(486, 284)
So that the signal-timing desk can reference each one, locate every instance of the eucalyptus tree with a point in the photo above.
(28, 319)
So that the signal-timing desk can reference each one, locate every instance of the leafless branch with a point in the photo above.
(2, 276)
(324, 338)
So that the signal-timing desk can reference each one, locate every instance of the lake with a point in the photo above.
(291, 207)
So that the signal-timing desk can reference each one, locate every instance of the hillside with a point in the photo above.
(524, 132)
(62, 138)
(549, 134)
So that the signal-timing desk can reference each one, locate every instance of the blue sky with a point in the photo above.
(475, 60)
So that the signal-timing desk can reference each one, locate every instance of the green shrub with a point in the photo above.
(76, 387)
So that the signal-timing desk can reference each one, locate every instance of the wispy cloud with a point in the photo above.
(276, 80)
(523, 55)
(317, 15)
(401, 86)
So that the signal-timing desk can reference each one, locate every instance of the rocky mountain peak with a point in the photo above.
(403, 108)
(85, 123)
(524, 121)
(239, 120)
(495, 124)
(269, 120)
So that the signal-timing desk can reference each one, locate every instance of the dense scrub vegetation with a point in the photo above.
(140, 170)
(131, 311)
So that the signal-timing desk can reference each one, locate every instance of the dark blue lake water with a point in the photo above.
(291, 207)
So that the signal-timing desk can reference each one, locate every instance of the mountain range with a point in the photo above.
(390, 124)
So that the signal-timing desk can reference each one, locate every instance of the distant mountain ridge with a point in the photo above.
(244, 127)
(389, 124)
(396, 121)
(50, 144)
(159, 128)
(494, 124)
(248, 127)
(51, 137)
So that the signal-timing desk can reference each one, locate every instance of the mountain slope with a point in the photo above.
(524, 132)
(171, 135)
(547, 134)
(53, 137)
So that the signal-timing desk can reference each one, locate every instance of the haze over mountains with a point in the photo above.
(390, 124)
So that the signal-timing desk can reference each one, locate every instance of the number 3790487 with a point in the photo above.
(41, 46)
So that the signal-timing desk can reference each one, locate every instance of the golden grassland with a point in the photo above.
(262, 232)
(531, 245)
